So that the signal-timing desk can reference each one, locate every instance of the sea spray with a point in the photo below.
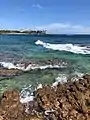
(27, 98)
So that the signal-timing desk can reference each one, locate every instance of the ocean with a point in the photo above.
(44, 59)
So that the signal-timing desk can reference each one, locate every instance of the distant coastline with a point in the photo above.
(31, 32)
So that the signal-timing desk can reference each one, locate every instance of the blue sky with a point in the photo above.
(57, 16)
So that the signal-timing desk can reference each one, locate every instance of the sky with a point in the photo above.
(55, 16)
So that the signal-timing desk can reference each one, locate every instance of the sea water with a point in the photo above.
(73, 52)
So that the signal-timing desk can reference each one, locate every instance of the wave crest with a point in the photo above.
(65, 47)
(22, 67)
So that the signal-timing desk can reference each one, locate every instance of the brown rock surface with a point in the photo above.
(69, 101)
(9, 72)
(12, 109)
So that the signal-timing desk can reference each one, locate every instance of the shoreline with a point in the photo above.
(16, 32)
(68, 101)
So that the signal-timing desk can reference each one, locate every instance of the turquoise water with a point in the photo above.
(14, 48)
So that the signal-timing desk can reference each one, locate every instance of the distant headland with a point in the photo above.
(31, 32)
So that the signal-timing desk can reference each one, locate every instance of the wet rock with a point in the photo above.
(71, 101)
(12, 109)
(68, 101)
(9, 72)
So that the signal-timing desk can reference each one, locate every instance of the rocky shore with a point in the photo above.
(68, 101)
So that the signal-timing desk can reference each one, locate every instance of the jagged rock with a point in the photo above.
(71, 101)
(12, 109)
(68, 101)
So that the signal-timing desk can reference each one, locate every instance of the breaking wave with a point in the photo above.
(27, 95)
(65, 47)
(63, 78)
(22, 67)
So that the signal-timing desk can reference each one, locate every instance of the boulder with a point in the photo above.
(12, 109)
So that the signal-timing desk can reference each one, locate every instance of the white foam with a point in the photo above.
(62, 78)
(26, 95)
(12, 66)
(77, 76)
(30, 66)
(26, 99)
(39, 86)
(8, 65)
(65, 47)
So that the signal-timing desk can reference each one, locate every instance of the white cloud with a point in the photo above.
(65, 28)
(37, 6)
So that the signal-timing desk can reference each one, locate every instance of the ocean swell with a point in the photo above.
(65, 47)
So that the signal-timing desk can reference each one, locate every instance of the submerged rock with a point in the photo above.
(5, 73)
